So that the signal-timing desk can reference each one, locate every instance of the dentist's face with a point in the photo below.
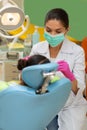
(54, 27)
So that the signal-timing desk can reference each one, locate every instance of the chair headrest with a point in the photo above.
(33, 75)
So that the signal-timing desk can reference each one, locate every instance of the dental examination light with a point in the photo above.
(11, 18)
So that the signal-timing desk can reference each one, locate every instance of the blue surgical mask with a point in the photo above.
(54, 40)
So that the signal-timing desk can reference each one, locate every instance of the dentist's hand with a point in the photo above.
(64, 68)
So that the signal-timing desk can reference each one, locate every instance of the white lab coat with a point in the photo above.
(72, 116)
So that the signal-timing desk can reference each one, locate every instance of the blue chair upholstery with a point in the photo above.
(22, 109)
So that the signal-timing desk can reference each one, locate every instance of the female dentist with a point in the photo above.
(71, 60)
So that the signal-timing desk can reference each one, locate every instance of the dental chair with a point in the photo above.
(33, 106)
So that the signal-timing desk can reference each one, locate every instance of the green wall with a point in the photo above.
(77, 10)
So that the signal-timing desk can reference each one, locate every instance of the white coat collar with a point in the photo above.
(67, 46)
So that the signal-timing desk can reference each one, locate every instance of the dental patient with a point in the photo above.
(29, 61)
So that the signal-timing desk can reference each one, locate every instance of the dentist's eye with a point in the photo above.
(58, 32)
(48, 30)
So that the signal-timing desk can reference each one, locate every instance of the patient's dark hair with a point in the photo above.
(31, 60)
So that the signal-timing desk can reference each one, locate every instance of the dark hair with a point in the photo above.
(58, 14)
(32, 60)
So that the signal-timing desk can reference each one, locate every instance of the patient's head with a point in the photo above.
(29, 61)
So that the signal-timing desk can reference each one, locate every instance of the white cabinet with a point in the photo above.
(8, 70)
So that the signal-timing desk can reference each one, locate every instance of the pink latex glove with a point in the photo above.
(64, 68)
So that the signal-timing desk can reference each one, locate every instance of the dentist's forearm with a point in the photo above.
(74, 86)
